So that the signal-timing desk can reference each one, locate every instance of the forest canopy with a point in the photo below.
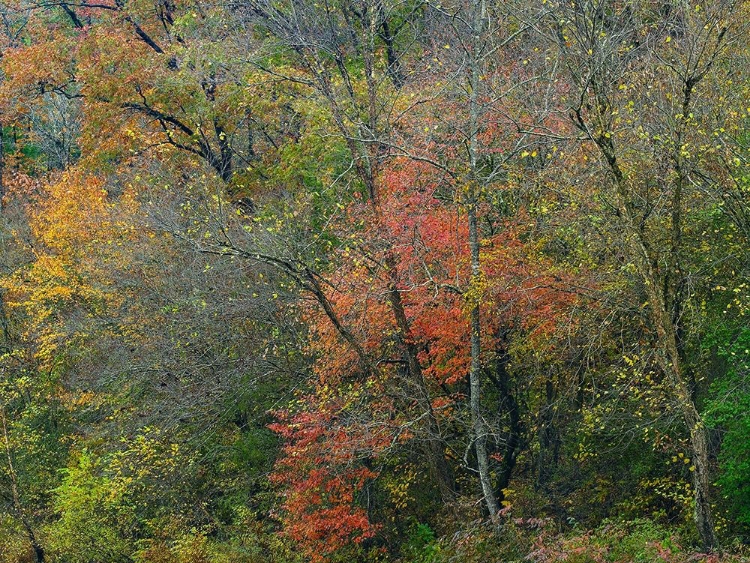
(374, 280)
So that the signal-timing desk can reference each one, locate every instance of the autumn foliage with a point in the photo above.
(367, 280)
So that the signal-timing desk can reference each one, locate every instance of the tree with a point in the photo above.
(611, 54)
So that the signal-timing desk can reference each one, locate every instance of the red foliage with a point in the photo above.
(328, 459)
(330, 450)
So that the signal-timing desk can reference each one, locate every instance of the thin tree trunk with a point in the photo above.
(668, 355)
(671, 363)
(4, 325)
(674, 338)
(479, 426)
(549, 442)
(507, 404)
(435, 449)
(2, 167)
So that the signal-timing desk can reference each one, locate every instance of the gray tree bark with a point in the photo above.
(479, 426)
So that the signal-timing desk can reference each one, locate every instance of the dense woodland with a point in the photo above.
(374, 280)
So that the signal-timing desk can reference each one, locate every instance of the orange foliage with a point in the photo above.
(322, 467)
(332, 442)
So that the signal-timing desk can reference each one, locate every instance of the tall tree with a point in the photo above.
(611, 55)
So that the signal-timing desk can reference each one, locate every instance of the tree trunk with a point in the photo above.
(479, 426)
(507, 404)
(4, 326)
(549, 442)
(667, 353)
(435, 450)
(2, 168)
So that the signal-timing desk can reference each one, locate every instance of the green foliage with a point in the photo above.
(636, 541)
(107, 502)
(14, 540)
(729, 411)
(421, 546)
(97, 514)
